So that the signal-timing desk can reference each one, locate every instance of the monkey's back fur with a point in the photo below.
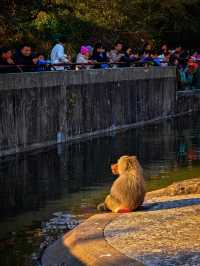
(128, 190)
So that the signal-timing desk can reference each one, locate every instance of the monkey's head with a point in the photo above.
(125, 164)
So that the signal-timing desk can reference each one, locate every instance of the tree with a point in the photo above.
(40, 21)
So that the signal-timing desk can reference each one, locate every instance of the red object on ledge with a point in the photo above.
(124, 210)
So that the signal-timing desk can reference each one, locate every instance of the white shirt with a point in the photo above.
(58, 56)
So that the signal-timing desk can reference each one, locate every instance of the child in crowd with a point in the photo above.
(83, 58)
(41, 62)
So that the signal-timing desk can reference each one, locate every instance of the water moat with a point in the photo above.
(74, 178)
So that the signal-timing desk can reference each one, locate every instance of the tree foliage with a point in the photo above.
(135, 21)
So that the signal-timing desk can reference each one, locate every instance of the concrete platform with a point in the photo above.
(86, 245)
(164, 232)
(168, 234)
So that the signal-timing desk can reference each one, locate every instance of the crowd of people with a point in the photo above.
(97, 56)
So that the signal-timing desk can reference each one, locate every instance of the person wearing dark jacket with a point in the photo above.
(99, 56)
(128, 58)
(24, 58)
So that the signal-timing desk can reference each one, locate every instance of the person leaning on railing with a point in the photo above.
(99, 56)
(58, 55)
(24, 57)
(128, 58)
(6, 61)
(116, 54)
(83, 58)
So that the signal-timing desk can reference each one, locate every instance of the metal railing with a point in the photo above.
(72, 66)
(21, 68)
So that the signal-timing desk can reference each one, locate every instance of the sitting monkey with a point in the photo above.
(128, 191)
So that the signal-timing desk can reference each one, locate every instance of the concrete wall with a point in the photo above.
(34, 107)
(188, 101)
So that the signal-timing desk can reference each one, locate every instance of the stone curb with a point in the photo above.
(86, 245)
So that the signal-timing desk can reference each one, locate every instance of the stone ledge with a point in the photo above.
(190, 186)
(44, 79)
(86, 245)
(165, 232)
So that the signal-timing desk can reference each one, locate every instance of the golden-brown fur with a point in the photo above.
(128, 189)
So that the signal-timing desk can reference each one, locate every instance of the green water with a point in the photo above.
(75, 178)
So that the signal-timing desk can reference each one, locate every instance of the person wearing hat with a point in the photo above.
(83, 58)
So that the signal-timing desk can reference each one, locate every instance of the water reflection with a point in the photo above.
(71, 177)
(28, 181)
